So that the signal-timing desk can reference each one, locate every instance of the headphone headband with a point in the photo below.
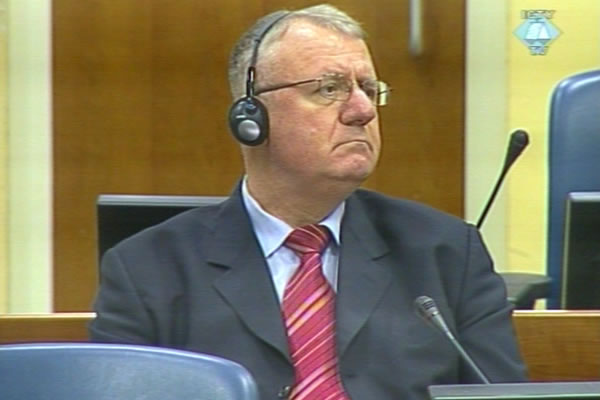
(269, 22)
(248, 117)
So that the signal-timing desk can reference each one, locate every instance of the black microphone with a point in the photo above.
(426, 309)
(519, 139)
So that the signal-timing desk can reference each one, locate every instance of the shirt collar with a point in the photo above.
(272, 232)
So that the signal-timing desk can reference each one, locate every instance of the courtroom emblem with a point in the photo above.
(537, 31)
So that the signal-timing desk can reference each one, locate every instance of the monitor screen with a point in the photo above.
(120, 216)
(581, 252)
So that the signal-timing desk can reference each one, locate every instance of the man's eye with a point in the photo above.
(329, 88)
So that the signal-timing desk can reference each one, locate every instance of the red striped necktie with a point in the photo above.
(309, 312)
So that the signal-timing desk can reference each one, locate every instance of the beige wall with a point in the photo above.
(3, 162)
(486, 126)
(29, 161)
(530, 84)
(508, 88)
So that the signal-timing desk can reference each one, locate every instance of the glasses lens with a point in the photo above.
(383, 93)
(338, 87)
(335, 87)
(371, 89)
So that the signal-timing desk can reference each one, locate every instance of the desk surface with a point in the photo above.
(556, 345)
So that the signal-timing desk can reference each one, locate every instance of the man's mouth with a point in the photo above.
(354, 142)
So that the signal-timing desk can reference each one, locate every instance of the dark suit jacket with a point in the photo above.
(199, 281)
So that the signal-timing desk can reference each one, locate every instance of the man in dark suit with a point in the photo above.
(225, 279)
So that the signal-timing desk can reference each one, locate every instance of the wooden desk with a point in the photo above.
(58, 327)
(560, 345)
(556, 345)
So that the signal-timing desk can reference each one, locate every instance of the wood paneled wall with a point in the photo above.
(140, 98)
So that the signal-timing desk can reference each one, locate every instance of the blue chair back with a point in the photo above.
(574, 158)
(91, 371)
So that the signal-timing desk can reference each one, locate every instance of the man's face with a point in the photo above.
(313, 139)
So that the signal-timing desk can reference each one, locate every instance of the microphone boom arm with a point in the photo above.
(490, 201)
(427, 309)
(519, 139)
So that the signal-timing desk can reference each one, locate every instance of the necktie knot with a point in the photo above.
(308, 239)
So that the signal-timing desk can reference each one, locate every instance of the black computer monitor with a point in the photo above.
(581, 252)
(120, 216)
(518, 391)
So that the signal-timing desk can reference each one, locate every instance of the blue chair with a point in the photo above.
(574, 158)
(92, 371)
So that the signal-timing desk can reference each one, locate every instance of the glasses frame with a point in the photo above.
(381, 99)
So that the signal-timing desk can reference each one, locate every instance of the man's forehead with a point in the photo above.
(304, 45)
(302, 35)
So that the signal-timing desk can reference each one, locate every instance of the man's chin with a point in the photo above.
(355, 175)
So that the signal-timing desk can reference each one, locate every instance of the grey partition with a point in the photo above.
(120, 216)
(517, 391)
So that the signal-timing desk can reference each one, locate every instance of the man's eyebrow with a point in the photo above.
(334, 71)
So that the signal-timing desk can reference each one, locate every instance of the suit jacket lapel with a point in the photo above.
(247, 286)
(363, 279)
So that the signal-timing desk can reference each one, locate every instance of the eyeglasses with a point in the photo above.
(339, 87)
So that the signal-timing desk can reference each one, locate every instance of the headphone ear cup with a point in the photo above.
(249, 121)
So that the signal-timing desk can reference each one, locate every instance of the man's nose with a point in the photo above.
(358, 109)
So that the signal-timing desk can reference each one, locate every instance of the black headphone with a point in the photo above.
(248, 116)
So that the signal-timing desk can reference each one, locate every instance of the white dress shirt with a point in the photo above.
(283, 262)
